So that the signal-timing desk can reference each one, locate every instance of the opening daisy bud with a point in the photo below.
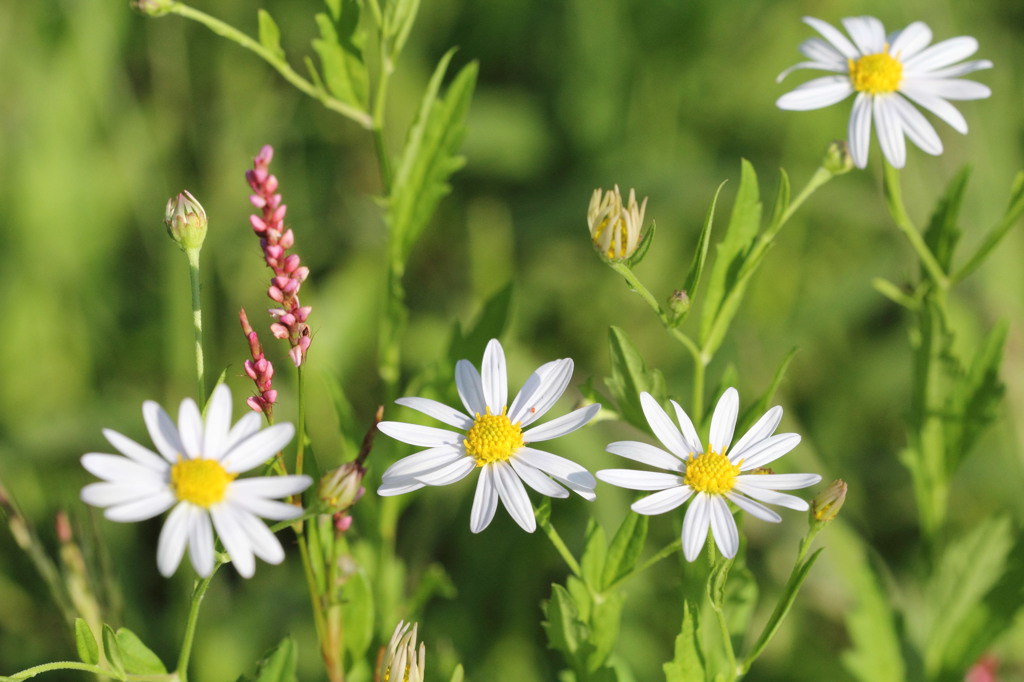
(185, 219)
(825, 507)
(342, 487)
(403, 662)
(614, 227)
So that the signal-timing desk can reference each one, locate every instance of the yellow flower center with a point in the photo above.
(711, 472)
(876, 73)
(493, 438)
(202, 482)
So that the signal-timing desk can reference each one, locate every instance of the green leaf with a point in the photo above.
(340, 48)
(717, 580)
(429, 157)
(490, 324)
(138, 658)
(782, 607)
(875, 655)
(974, 399)
(732, 251)
(564, 630)
(346, 415)
(943, 233)
(458, 674)
(781, 203)
(113, 651)
(399, 18)
(279, 664)
(966, 571)
(625, 549)
(605, 616)
(692, 282)
(740, 600)
(688, 663)
(270, 34)
(357, 614)
(85, 641)
(760, 406)
(999, 230)
(629, 377)
(594, 551)
(643, 247)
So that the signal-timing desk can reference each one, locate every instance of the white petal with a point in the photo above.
(860, 129)
(953, 88)
(663, 501)
(764, 428)
(916, 126)
(264, 544)
(218, 422)
(439, 411)
(770, 496)
(470, 387)
(755, 509)
(118, 469)
(779, 481)
(423, 461)
(190, 428)
(662, 426)
(449, 473)
(270, 486)
(399, 487)
(162, 431)
(910, 41)
(823, 66)
(485, 501)
(200, 543)
(833, 36)
(130, 448)
(565, 424)
(867, 32)
(111, 494)
(267, 509)
(173, 538)
(938, 106)
(695, 526)
(941, 54)
(568, 473)
(235, 541)
(769, 450)
(723, 421)
(961, 69)
(494, 377)
(815, 94)
(537, 480)
(639, 480)
(690, 436)
(513, 496)
(424, 436)
(818, 50)
(889, 131)
(723, 527)
(258, 448)
(646, 454)
(243, 428)
(143, 509)
(541, 391)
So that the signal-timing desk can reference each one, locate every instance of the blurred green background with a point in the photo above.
(105, 114)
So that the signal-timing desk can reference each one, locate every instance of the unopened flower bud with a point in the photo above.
(402, 661)
(679, 302)
(614, 227)
(342, 487)
(153, 8)
(186, 222)
(837, 158)
(825, 507)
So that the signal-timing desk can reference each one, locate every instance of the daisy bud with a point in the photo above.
(402, 662)
(186, 221)
(825, 507)
(614, 227)
(837, 158)
(679, 303)
(342, 487)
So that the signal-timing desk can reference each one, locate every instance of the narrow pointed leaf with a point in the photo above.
(692, 282)
(85, 641)
(113, 651)
(340, 48)
(629, 377)
(688, 663)
(270, 34)
(760, 406)
(624, 552)
(595, 549)
(279, 664)
(943, 232)
(138, 658)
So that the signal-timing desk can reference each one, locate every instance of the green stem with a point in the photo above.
(190, 626)
(85, 667)
(627, 274)
(723, 627)
(275, 60)
(667, 551)
(820, 177)
(314, 592)
(894, 199)
(300, 447)
(197, 321)
(697, 407)
(556, 540)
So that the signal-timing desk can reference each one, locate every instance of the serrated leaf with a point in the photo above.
(643, 247)
(731, 252)
(605, 617)
(340, 48)
(279, 664)
(974, 399)
(688, 663)
(564, 630)
(85, 642)
(357, 614)
(624, 552)
(112, 651)
(692, 282)
(629, 377)
(595, 549)
(490, 324)
(429, 157)
(270, 34)
(138, 658)
(943, 232)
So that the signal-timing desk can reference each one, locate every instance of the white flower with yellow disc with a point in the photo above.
(195, 472)
(712, 477)
(495, 440)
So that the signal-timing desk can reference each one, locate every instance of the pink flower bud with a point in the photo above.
(266, 154)
(254, 403)
(287, 239)
(288, 320)
(291, 262)
(273, 201)
(291, 287)
(250, 370)
(279, 213)
(342, 523)
(275, 294)
(302, 313)
(296, 355)
(258, 226)
(270, 396)
(273, 251)
(301, 274)
(257, 201)
(279, 331)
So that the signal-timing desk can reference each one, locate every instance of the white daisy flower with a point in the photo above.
(885, 72)
(709, 476)
(493, 441)
(195, 474)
